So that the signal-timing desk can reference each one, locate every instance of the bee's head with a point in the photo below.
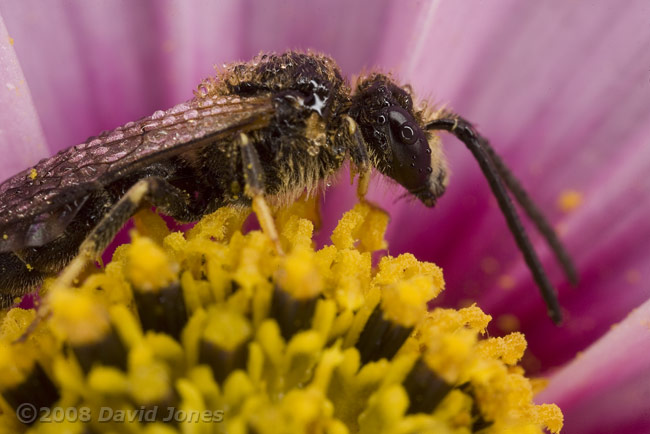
(398, 144)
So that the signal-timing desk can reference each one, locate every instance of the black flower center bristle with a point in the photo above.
(381, 338)
(425, 388)
(292, 314)
(162, 310)
(108, 351)
(36, 389)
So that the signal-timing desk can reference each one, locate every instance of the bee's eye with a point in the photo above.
(403, 128)
(407, 134)
(381, 119)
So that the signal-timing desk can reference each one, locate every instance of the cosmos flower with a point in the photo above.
(561, 91)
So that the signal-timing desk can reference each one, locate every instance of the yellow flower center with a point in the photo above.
(212, 331)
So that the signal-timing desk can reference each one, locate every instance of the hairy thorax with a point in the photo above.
(298, 148)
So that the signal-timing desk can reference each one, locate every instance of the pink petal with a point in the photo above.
(90, 68)
(606, 389)
(21, 139)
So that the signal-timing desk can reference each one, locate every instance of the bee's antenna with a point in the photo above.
(465, 132)
(533, 213)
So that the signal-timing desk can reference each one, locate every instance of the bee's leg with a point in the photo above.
(358, 154)
(254, 178)
(152, 190)
(102, 234)
(17, 278)
(362, 186)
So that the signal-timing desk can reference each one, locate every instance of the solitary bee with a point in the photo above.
(263, 131)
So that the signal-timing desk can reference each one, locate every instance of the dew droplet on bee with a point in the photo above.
(185, 136)
(157, 136)
(100, 150)
(206, 103)
(115, 156)
(150, 126)
(192, 114)
(77, 157)
(118, 135)
(178, 109)
(158, 114)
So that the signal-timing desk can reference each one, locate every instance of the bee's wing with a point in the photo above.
(38, 203)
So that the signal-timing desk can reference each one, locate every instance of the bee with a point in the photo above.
(260, 132)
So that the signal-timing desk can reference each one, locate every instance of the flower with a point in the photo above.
(214, 327)
(559, 89)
